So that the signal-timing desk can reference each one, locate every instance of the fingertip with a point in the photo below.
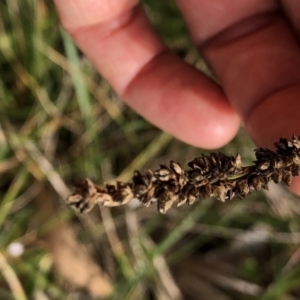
(183, 102)
(211, 133)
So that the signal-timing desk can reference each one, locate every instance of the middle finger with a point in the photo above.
(248, 45)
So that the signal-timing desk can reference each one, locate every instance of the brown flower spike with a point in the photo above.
(215, 175)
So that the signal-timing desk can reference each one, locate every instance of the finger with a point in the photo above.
(292, 8)
(158, 85)
(254, 55)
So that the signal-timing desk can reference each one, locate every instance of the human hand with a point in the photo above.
(252, 46)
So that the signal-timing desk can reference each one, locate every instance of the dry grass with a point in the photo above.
(58, 120)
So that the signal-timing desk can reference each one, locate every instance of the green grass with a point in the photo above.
(59, 119)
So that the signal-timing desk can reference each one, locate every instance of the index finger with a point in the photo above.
(119, 40)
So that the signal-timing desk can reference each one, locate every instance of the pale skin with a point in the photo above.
(251, 45)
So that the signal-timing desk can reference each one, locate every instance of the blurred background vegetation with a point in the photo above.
(59, 119)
